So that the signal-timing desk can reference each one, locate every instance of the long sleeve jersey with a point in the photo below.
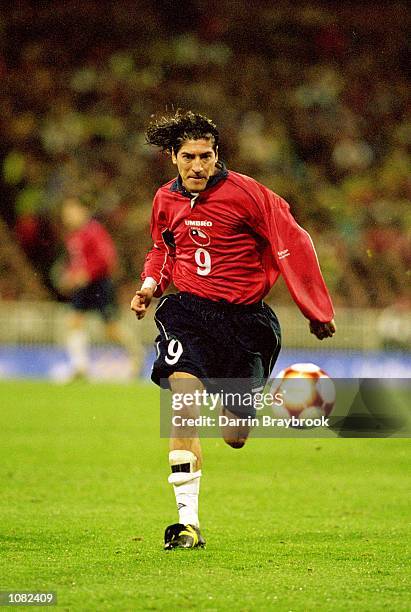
(91, 249)
(232, 241)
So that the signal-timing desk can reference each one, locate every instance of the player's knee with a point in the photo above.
(76, 321)
(112, 332)
(239, 443)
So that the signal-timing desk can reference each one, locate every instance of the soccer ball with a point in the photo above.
(306, 390)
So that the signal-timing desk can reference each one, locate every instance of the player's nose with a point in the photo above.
(196, 167)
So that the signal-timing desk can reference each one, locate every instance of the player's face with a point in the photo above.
(196, 160)
(73, 214)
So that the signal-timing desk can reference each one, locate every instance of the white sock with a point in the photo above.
(77, 346)
(186, 487)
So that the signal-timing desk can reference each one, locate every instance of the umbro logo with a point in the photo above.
(198, 223)
(284, 253)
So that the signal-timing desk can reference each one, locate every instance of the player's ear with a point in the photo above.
(216, 153)
(173, 157)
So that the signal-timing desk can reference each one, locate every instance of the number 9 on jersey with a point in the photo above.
(203, 261)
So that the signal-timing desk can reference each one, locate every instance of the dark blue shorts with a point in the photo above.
(215, 340)
(99, 296)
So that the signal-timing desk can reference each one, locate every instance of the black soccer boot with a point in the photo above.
(183, 536)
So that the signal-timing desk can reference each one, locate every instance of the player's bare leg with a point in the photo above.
(234, 435)
(117, 334)
(185, 460)
(77, 344)
(186, 438)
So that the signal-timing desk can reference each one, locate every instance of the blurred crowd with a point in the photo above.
(312, 100)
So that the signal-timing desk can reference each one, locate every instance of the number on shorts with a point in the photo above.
(203, 261)
(174, 350)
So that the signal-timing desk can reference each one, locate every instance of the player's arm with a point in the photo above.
(296, 259)
(158, 268)
(298, 263)
(156, 277)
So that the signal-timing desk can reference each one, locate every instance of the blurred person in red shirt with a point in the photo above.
(88, 280)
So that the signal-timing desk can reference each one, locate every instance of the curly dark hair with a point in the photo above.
(170, 131)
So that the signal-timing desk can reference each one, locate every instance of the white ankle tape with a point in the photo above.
(180, 478)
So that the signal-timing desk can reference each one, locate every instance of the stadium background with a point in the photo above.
(312, 100)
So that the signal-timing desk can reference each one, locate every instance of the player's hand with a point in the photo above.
(71, 280)
(322, 330)
(79, 279)
(141, 301)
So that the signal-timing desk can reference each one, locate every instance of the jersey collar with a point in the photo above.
(222, 174)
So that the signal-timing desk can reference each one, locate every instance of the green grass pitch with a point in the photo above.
(291, 525)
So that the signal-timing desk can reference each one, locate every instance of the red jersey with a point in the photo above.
(232, 241)
(91, 250)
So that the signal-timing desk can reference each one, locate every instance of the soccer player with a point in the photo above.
(223, 239)
(87, 279)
